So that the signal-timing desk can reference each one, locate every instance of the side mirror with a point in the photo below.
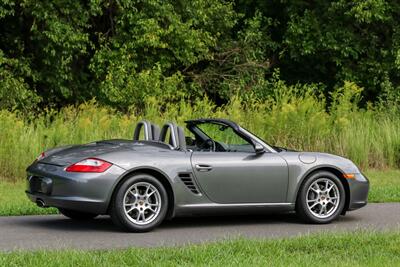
(259, 149)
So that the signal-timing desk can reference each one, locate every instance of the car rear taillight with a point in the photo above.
(89, 165)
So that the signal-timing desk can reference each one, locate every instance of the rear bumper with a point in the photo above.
(73, 203)
(359, 188)
(87, 192)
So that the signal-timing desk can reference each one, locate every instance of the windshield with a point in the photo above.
(221, 133)
(260, 140)
(219, 138)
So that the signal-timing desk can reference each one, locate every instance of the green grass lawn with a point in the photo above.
(345, 249)
(385, 187)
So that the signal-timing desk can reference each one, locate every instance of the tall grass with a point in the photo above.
(295, 117)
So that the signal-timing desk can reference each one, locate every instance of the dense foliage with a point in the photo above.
(121, 51)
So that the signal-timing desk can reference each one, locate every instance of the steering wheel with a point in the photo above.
(208, 144)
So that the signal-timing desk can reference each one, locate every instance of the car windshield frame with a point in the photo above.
(248, 142)
(240, 131)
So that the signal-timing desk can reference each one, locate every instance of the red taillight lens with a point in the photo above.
(89, 165)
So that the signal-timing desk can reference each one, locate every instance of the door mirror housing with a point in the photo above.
(258, 148)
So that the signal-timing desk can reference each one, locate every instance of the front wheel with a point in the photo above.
(321, 198)
(140, 204)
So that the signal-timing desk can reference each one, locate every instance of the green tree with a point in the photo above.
(331, 41)
(151, 43)
(121, 51)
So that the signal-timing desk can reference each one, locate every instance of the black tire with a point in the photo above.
(77, 215)
(126, 222)
(302, 209)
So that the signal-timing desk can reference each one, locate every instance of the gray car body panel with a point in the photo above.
(237, 181)
(263, 176)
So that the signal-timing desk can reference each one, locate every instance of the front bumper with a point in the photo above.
(359, 188)
(87, 192)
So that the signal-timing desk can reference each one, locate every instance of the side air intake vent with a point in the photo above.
(187, 179)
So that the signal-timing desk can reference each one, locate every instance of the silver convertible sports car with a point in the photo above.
(217, 167)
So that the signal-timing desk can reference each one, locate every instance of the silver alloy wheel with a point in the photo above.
(323, 198)
(142, 203)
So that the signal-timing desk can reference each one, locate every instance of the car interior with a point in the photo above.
(200, 136)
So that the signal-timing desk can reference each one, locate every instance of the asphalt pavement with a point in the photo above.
(58, 232)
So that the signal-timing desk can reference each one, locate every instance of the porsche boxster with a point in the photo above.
(213, 166)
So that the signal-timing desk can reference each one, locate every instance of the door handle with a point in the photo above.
(203, 167)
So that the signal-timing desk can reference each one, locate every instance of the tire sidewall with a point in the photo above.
(302, 203)
(118, 207)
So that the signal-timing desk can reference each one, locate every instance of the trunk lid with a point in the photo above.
(65, 156)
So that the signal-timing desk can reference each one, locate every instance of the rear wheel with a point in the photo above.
(321, 198)
(140, 204)
(77, 215)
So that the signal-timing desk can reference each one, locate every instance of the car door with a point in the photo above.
(241, 177)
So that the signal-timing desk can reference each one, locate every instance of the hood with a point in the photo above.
(64, 156)
(319, 158)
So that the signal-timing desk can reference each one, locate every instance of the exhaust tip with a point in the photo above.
(40, 203)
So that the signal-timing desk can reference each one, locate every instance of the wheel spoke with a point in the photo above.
(150, 194)
(322, 210)
(150, 209)
(330, 209)
(320, 187)
(147, 190)
(330, 188)
(315, 190)
(131, 209)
